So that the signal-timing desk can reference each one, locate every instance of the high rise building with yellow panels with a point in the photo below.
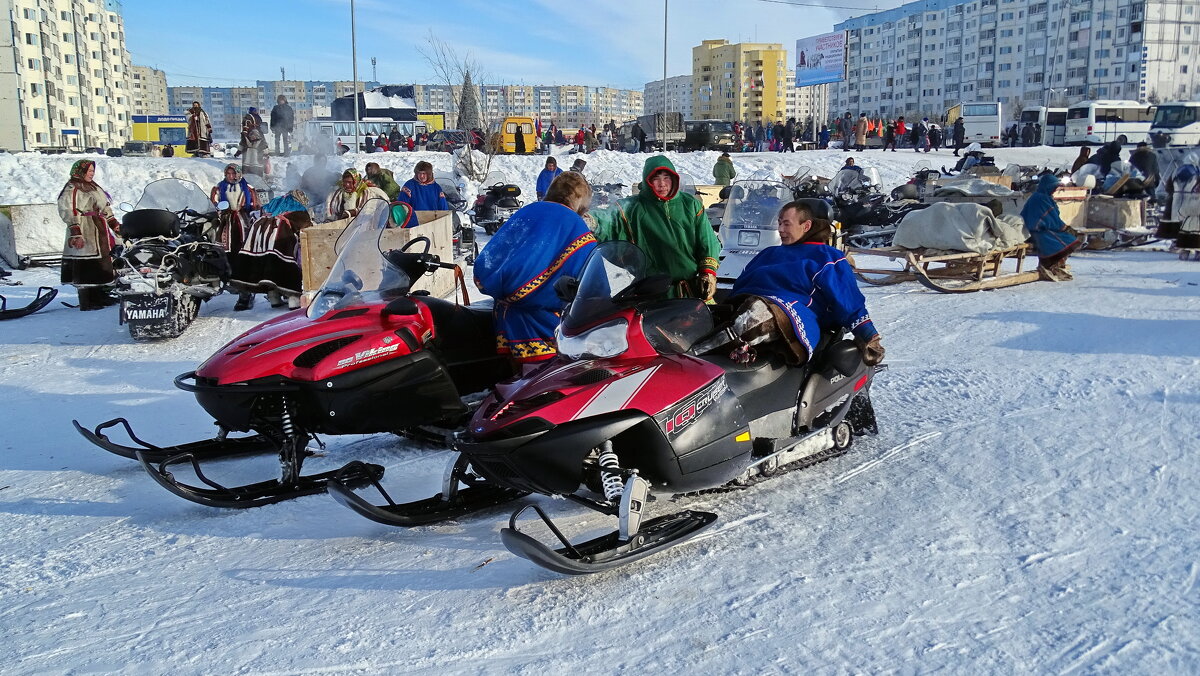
(746, 81)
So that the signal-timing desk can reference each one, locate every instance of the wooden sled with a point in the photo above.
(961, 272)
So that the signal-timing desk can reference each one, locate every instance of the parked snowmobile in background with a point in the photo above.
(627, 408)
(369, 355)
(868, 220)
(169, 262)
(749, 225)
(497, 203)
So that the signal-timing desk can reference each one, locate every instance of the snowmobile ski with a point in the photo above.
(218, 447)
(45, 295)
(607, 551)
(452, 502)
(252, 495)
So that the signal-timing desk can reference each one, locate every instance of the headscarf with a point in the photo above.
(224, 185)
(360, 184)
(78, 170)
(1040, 211)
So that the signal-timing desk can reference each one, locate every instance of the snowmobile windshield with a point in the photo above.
(175, 194)
(361, 274)
(494, 178)
(449, 185)
(753, 205)
(848, 180)
(687, 183)
(616, 276)
(606, 189)
(612, 268)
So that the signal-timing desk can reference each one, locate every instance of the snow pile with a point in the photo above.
(31, 178)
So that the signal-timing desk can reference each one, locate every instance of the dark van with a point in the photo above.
(708, 135)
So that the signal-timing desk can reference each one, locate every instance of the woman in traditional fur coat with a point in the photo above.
(236, 218)
(199, 131)
(87, 252)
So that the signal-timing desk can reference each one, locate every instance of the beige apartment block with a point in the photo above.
(65, 75)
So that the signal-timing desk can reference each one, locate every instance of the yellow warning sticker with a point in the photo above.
(744, 436)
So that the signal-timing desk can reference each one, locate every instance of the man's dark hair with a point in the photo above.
(803, 211)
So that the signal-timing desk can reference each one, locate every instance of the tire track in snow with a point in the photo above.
(886, 456)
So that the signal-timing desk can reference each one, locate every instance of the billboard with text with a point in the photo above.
(821, 59)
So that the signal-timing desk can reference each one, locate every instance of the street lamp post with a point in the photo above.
(354, 69)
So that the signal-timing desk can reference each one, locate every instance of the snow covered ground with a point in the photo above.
(1029, 505)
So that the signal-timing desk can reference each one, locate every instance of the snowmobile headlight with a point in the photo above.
(606, 340)
(748, 238)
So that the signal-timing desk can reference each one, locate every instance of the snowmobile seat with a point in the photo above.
(466, 343)
(149, 223)
(842, 355)
(764, 385)
(463, 333)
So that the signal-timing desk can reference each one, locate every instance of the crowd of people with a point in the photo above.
(551, 237)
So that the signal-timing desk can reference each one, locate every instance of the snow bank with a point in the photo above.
(30, 178)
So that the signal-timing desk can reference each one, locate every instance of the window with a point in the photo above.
(31, 39)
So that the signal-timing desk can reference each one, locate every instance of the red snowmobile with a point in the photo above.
(369, 355)
(628, 408)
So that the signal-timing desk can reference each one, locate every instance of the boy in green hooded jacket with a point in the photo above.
(670, 227)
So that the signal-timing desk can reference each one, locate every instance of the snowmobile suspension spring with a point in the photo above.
(286, 421)
(611, 480)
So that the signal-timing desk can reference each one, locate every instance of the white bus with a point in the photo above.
(1176, 124)
(1098, 122)
(981, 122)
(321, 133)
(1053, 121)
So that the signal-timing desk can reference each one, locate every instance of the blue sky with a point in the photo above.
(617, 43)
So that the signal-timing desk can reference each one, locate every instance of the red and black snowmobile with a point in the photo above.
(369, 355)
(627, 408)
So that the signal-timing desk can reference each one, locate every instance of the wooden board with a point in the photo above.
(709, 194)
(317, 254)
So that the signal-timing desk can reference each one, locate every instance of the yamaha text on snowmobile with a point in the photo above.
(369, 355)
(627, 409)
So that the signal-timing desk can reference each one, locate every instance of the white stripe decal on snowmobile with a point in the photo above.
(616, 395)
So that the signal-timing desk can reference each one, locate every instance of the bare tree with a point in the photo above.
(461, 72)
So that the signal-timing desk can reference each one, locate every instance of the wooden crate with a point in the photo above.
(1115, 213)
(991, 176)
(317, 254)
(27, 229)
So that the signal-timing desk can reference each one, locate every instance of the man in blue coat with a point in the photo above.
(547, 177)
(421, 192)
(796, 291)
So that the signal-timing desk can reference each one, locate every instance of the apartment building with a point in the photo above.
(565, 105)
(746, 81)
(64, 74)
(923, 57)
(673, 94)
(149, 87)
